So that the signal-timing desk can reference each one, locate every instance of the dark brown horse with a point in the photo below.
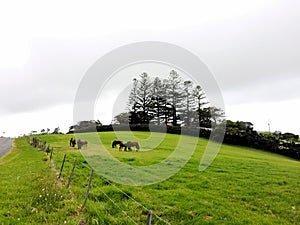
(115, 143)
(120, 143)
(72, 142)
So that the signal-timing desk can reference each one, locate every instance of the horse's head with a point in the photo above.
(137, 146)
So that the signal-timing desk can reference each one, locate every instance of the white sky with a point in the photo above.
(46, 47)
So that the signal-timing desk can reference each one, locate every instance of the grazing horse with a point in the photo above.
(131, 144)
(81, 143)
(120, 143)
(72, 142)
(115, 143)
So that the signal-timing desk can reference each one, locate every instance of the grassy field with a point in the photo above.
(29, 190)
(242, 186)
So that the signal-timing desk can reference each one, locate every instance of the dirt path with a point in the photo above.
(5, 145)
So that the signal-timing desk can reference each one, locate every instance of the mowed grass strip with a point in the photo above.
(29, 190)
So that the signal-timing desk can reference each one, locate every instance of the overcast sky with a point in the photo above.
(251, 47)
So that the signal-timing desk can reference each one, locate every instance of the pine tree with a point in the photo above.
(144, 97)
(140, 100)
(156, 99)
(189, 102)
(175, 95)
(201, 114)
(133, 102)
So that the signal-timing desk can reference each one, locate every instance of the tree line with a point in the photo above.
(45, 131)
(242, 133)
(171, 101)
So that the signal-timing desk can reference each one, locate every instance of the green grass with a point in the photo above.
(29, 190)
(241, 186)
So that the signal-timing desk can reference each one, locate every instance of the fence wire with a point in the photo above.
(81, 171)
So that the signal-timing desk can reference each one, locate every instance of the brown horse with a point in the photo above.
(131, 144)
(81, 143)
(122, 145)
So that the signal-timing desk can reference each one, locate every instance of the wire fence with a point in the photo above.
(104, 201)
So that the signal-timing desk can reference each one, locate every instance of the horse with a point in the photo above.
(115, 143)
(81, 143)
(120, 143)
(131, 144)
(72, 142)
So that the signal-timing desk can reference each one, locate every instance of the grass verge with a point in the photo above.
(29, 190)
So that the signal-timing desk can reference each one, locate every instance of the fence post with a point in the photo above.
(149, 218)
(71, 175)
(37, 143)
(56, 162)
(87, 190)
(47, 149)
(51, 153)
(62, 165)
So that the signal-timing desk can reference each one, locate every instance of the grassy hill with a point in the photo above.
(241, 186)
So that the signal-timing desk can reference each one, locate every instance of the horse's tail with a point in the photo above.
(113, 144)
(137, 146)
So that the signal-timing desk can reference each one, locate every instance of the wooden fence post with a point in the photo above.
(37, 143)
(51, 153)
(56, 161)
(87, 190)
(71, 175)
(47, 149)
(62, 165)
(149, 218)
(44, 146)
